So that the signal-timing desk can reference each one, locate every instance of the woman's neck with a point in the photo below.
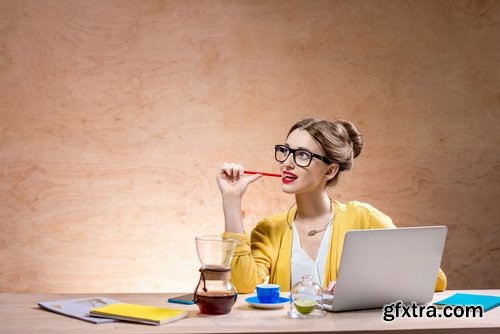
(312, 205)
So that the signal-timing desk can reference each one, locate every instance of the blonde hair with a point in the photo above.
(340, 140)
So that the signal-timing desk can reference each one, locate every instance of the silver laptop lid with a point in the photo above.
(381, 266)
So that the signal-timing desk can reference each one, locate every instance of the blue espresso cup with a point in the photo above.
(268, 293)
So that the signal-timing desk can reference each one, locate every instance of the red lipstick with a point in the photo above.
(288, 177)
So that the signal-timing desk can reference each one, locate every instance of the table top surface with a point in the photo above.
(19, 313)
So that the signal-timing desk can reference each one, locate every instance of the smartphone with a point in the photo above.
(187, 299)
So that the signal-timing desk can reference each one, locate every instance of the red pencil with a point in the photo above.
(263, 173)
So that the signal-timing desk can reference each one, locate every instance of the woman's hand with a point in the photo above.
(330, 289)
(232, 181)
(232, 184)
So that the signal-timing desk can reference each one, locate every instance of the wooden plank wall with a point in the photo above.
(115, 115)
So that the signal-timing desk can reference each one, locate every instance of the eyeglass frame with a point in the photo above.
(292, 151)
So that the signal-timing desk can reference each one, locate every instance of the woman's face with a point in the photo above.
(296, 179)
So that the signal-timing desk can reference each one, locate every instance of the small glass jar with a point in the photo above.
(307, 300)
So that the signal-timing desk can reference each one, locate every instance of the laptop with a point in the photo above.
(382, 266)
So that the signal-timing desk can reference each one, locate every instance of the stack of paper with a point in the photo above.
(100, 310)
(79, 308)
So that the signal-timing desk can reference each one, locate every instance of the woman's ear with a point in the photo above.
(332, 170)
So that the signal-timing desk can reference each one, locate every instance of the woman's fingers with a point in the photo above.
(237, 171)
(254, 178)
(231, 171)
(232, 175)
(226, 171)
(331, 287)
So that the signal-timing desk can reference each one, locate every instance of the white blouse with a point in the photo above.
(302, 264)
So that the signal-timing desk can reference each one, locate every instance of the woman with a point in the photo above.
(308, 238)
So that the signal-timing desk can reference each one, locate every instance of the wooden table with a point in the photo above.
(19, 313)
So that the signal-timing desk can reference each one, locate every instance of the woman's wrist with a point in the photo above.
(231, 198)
(234, 224)
(232, 214)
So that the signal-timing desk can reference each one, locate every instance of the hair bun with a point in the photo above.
(340, 141)
(354, 136)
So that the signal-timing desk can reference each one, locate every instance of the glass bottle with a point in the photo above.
(307, 299)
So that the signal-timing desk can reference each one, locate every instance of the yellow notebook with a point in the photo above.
(139, 313)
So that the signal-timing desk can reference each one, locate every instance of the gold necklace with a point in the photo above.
(314, 232)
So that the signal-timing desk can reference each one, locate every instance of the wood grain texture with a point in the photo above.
(115, 115)
(21, 315)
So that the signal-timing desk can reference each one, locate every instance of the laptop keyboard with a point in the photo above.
(327, 302)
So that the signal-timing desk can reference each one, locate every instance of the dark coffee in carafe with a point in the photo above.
(217, 302)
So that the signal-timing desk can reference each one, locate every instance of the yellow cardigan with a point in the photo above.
(269, 249)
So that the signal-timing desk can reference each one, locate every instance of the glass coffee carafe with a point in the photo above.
(215, 293)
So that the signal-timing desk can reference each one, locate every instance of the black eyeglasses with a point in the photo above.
(301, 157)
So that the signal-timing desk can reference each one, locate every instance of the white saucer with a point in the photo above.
(254, 301)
